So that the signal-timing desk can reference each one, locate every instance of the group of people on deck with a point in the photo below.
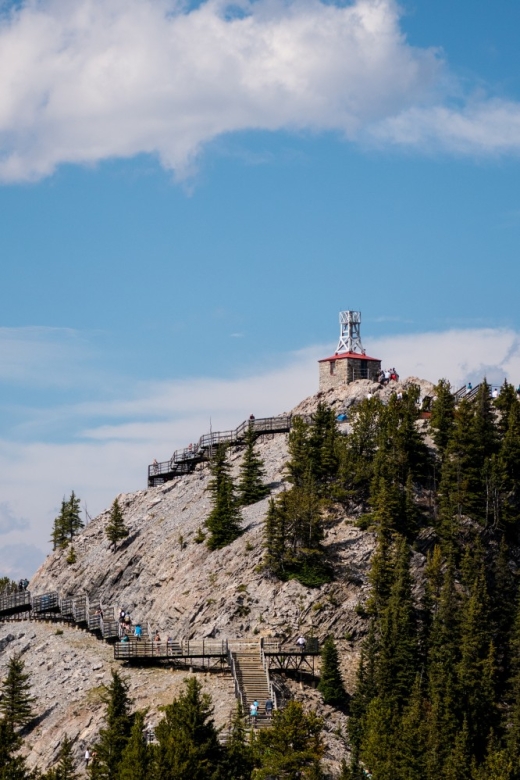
(387, 375)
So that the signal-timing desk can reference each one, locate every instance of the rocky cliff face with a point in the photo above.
(164, 578)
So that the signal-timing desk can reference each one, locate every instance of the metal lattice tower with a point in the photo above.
(349, 332)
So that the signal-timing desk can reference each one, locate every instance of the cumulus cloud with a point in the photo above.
(86, 80)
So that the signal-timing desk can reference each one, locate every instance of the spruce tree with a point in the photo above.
(116, 529)
(114, 737)
(188, 746)
(65, 769)
(443, 415)
(223, 522)
(16, 702)
(251, 487)
(59, 537)
(292, 748)
(331, 684)
(12, 764)
(72, 523)
(238, 759)
(275, 535)
(136, 759)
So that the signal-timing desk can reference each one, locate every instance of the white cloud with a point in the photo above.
(43, 356)
(101, 460)
(86, 80)
(9, 521)
(489, 127)
(458, 355)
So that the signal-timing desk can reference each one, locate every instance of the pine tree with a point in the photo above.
(251, 487)
(188, 746)
(458, 764)
(298, 465)
(443, 415)
(12, 765)
(136, 759)
(65, 769)
(114, 737)
(275, 535)
(116, 529)
(292, 748)
(72, 523)
(238, 760)
(16, 702)
(59, 533)
(223, 522)
(68, 524)
(331, 684)
(398, 634)
(476, 669)
(71, 556)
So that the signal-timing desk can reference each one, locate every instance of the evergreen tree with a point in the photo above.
(72, 523)
(331, 684)
(292, 748)
(136, 759)
(59, 534)
(114, 737)
(251, 487)
(476, 669)
(238, 760)
(68, 524)
(12, 765)
(188, 746)
(16, 702)
(223, 522)
(443, 414)
(116, 529)
(71, 556)
(398, 634)
(65, 769)
(298, 465)
(275, 535)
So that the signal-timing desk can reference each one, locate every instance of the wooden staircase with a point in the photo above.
(252, 682)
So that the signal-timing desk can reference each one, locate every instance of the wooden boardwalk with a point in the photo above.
(183, 461)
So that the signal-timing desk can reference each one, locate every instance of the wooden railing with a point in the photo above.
(20, 601)
(184, 460)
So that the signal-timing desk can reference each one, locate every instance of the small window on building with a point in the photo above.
(332, 365)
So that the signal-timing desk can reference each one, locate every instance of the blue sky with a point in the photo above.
(189, 197)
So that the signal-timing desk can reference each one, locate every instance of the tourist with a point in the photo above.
(253, 712)
(251, 418)
(269, 706)
(155, 465)
(494, 393)
(138, 632)
(387, 376)
(87, 757)
(124, 638)
(157, 638)
(469, 387)
(301, 642)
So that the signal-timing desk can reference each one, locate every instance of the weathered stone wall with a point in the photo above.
(339, 377)
(347, 370)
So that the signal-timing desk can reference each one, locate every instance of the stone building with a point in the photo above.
(350, 361)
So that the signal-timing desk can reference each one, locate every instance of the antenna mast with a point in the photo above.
(349, 332)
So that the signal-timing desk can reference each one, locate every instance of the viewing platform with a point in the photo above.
(188, 650)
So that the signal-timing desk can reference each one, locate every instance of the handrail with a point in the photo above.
(273, 693)
(183, 459)
(238, 691)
